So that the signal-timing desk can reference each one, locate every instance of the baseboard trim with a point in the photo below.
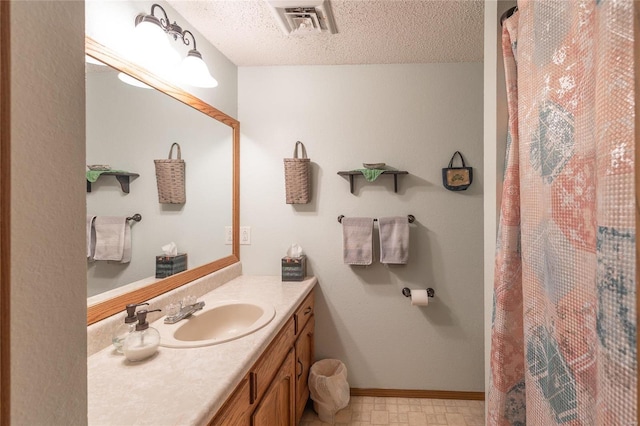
(415, 393)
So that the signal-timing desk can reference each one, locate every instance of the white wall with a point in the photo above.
(412, 117)
(495, 141)
(128, 127)
(48, 272)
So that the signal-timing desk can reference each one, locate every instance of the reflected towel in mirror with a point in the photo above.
(113, 238)
(91, 237)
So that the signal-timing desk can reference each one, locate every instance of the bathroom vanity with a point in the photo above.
(276, 389)
(258, 379)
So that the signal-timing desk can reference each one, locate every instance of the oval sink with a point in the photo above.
(216, 324)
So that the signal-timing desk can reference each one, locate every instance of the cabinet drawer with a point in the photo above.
(304, 312)
(236, 410)
(267, 366)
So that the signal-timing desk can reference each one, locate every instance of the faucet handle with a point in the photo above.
(172, 309)
(188, 301)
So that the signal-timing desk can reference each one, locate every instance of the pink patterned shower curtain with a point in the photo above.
(563, 344)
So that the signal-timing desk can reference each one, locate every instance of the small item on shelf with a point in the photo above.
(99, 167)
(371, 174)
(296, 176)
(94, 174)
(373, 165)
(457, 178)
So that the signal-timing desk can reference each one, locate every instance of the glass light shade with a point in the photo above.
(150, 36)
(153, 50)
(194, 72)
(126, 78)
(88, 59)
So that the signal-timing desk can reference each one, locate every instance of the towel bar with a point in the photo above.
(136, 217)
(411, 218)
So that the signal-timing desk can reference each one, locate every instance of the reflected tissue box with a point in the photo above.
(169, 265)
(294, 268)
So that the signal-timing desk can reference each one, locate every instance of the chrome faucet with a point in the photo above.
(186, 310)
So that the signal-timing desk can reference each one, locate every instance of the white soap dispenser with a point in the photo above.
(128, 326)
(144, 341)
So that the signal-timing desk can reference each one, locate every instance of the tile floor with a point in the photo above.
(366, 410)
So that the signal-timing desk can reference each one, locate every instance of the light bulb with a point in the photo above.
(151, 37)
(153, 50)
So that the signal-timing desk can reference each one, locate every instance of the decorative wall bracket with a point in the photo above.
(353, 173)
(122, 177)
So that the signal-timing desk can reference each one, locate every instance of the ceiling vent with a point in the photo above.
(303, 16)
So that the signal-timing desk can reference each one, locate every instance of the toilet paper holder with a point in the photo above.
(407, 292)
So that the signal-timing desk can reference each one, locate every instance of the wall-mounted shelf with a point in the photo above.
(395, 174)
(122, 177)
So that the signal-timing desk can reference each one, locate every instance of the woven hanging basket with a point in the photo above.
(170, 178)
(296, 176)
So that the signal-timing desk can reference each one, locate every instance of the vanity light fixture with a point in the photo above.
(159, 56)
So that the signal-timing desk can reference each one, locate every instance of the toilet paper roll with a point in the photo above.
(419, 297)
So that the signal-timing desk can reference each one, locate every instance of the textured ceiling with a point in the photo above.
(369, 32)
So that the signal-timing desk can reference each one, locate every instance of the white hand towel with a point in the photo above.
(126, 248)
(110, 232)
(394, 239)
(357, 240)
(91, 237)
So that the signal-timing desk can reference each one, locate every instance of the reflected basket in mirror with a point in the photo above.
(170, 177)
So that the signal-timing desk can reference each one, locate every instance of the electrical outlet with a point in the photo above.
(245, 235)
(228, 235)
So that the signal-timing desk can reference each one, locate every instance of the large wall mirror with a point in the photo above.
(127, 128)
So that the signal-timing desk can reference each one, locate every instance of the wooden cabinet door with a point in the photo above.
(277, 407)
(237, 410)
(304, 360)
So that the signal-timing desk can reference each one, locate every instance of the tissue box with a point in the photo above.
(169, 265)
(294, 268)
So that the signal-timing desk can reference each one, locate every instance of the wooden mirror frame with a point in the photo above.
(5, 213)
(112, 306)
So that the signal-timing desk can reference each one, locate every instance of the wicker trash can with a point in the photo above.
(170, 177)
(296, 176)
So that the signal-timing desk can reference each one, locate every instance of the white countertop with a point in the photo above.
(187, 386)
